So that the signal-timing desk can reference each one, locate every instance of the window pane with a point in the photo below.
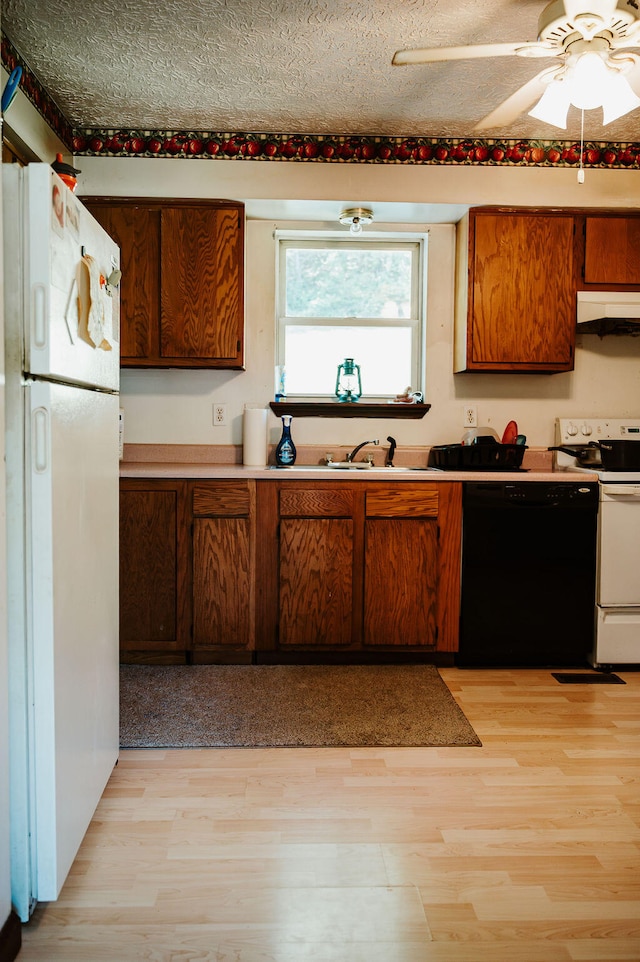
(312, 355)
(331, 282)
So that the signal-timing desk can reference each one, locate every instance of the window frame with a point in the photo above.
(403, 239)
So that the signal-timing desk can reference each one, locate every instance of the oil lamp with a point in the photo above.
(348, 383)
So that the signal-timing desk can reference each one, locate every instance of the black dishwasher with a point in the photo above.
(528, 573)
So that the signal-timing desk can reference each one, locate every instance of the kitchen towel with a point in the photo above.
(254, 436)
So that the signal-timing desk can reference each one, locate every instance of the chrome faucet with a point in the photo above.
(353, 453)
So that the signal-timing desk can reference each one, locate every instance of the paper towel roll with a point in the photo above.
(254, 437)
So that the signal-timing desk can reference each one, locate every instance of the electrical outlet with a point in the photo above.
(219, 415)
(471, 416)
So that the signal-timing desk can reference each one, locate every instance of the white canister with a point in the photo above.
(254, 436)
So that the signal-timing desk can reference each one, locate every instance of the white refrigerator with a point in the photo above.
(62, 380)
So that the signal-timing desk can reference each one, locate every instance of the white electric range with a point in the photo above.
(617, 613)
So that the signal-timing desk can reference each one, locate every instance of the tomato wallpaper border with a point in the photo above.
(350, 149)
(305, 148)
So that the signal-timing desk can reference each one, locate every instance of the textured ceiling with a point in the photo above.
(294, 66)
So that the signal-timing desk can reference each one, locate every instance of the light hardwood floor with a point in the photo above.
(524, 850)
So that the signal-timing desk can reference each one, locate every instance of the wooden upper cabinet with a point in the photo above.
(201, 283)
(612, 250)
(182, 288)
(516, 308)
(136, 231)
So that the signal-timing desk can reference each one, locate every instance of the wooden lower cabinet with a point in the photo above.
(401, 567)
(153, 571)
(187, 571)
(401, 583)
(223, 566)
(357, 570)
(269, 571)
(316, 596)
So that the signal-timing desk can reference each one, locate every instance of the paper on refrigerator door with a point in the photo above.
(94, 314)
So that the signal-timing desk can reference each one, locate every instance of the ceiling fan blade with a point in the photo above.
(435, 54)
(519, 101)
(631, 41)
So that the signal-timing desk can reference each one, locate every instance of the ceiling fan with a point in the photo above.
(591, 42)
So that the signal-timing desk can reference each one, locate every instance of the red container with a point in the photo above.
(65, 172)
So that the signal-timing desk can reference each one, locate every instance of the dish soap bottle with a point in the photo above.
(286, 450)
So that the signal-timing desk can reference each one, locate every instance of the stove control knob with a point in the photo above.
(572, 430)
(586, 429)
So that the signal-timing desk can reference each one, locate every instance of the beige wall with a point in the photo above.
(176, 407)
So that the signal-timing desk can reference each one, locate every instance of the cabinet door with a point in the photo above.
(182, 288)
(201, 284)
(401, 583)
(316, 565)
(152, 567)
(401, 567)
(361, 567)
(223, 568)
(316, 571)
(522, 293)
(612, 250)
(136, 231)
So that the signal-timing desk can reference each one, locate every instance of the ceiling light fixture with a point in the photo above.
(591, 78)
(356, 218)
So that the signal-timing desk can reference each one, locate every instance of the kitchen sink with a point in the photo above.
(360, 466)
(336, 466)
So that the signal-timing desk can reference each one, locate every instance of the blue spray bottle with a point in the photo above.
(286, 450)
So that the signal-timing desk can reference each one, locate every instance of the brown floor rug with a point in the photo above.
(273, 706)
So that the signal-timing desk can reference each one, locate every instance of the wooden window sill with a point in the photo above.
(357, 409)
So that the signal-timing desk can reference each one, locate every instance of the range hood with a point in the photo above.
(609, 312)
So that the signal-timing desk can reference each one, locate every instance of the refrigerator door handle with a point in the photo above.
(39, 316)
(40, 446)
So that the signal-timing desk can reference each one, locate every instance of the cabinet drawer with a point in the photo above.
(310, 502)
(401, 502)
(223, 499)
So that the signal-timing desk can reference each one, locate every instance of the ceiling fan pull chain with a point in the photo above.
(581, 169)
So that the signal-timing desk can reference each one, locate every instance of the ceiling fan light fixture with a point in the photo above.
(356, 218)
(620, 99)
(589, 82)
(553, 106)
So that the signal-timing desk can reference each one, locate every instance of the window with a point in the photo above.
(357, 298)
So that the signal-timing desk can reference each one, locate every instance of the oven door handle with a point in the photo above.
(621, 490)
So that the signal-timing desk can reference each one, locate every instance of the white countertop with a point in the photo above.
(222, 472)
